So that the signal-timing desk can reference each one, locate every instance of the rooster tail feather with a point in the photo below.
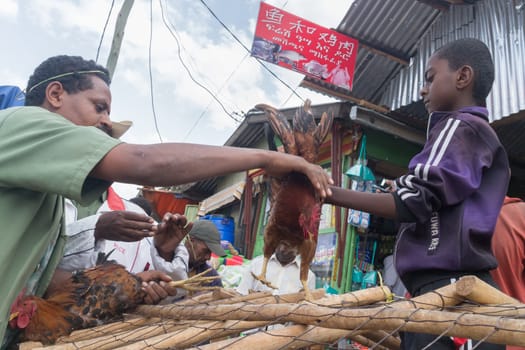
(324, 127)
(304, 120)
(280, 126)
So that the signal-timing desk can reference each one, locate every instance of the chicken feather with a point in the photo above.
(295, 206)
(88, 298)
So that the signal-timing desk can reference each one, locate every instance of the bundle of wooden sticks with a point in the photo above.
(372, 317)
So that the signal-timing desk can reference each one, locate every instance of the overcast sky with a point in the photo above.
(33, 30)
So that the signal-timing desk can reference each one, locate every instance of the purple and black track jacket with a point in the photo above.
(449, 200)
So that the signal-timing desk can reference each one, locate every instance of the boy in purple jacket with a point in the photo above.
(449, 200)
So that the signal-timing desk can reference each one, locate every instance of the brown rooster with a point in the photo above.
(295, 210)
(88, 298)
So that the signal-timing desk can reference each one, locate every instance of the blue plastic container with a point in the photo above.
(225, 225)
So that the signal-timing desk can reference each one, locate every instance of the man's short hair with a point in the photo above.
(473, 53)
(73, 72)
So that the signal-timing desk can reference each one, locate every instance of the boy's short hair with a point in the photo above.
(72, 71)
(473, 53)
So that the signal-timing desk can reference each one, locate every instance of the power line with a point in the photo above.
(203, 112)
(104, 30)
(149, 68)
(187, 69)
(195, 64)
(248, 50)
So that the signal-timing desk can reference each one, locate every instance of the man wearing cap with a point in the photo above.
(202, 240)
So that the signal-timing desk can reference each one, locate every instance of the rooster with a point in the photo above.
(295, 210)
(88, 298)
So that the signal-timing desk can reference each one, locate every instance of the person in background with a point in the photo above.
(59, 145)
(118, 235)
(448, 202)
(508, 245)
(11, 96)
(283, 272)
(202, 240)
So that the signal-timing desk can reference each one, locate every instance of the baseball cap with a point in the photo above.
(119, 128)
(207, 232)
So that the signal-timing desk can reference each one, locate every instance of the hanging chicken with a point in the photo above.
(88, 298)
(295, 210)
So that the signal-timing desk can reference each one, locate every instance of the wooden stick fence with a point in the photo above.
(469, 309)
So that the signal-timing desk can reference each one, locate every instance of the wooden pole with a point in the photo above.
(476, 290)
(193, 335)
(291, 337)
(388, 318)
(515, 310)
(114, 327)
(118, 36)
(358, 298)
(383, 338)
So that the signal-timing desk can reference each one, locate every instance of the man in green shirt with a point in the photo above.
(60, 146)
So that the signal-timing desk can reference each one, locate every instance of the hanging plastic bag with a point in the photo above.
(369, 279)
(363, 180)
(363, 273)
(356, 217)
(357, 278)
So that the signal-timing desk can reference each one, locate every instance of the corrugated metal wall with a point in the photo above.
(498, 23)
(384, 24)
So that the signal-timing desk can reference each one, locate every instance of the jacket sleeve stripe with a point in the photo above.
(447, 142)
(409, 189)
(438, 148)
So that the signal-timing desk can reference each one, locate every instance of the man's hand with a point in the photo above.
(170, 232)
(155, 284)
(125, 226)
(280, 164)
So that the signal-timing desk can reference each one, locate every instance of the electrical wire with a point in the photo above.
(193, 61)
(150, 70)
(189, 72)
(248, 50)
(204, 111)
(104, 30)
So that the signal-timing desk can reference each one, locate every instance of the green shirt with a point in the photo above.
(43, 158)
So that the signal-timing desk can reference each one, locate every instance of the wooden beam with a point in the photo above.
(378, 51)
(383, 53)
(440, 5)
(378, 121)
(343, 96)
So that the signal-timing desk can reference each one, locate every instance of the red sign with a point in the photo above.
(295, 43)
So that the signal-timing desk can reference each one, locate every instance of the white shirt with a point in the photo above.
(285, 278)
(81, 251)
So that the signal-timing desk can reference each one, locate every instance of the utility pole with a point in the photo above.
(118, 36)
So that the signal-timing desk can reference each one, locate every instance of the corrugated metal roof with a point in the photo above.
(411, 30)
(392, 26)
(497, 23)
